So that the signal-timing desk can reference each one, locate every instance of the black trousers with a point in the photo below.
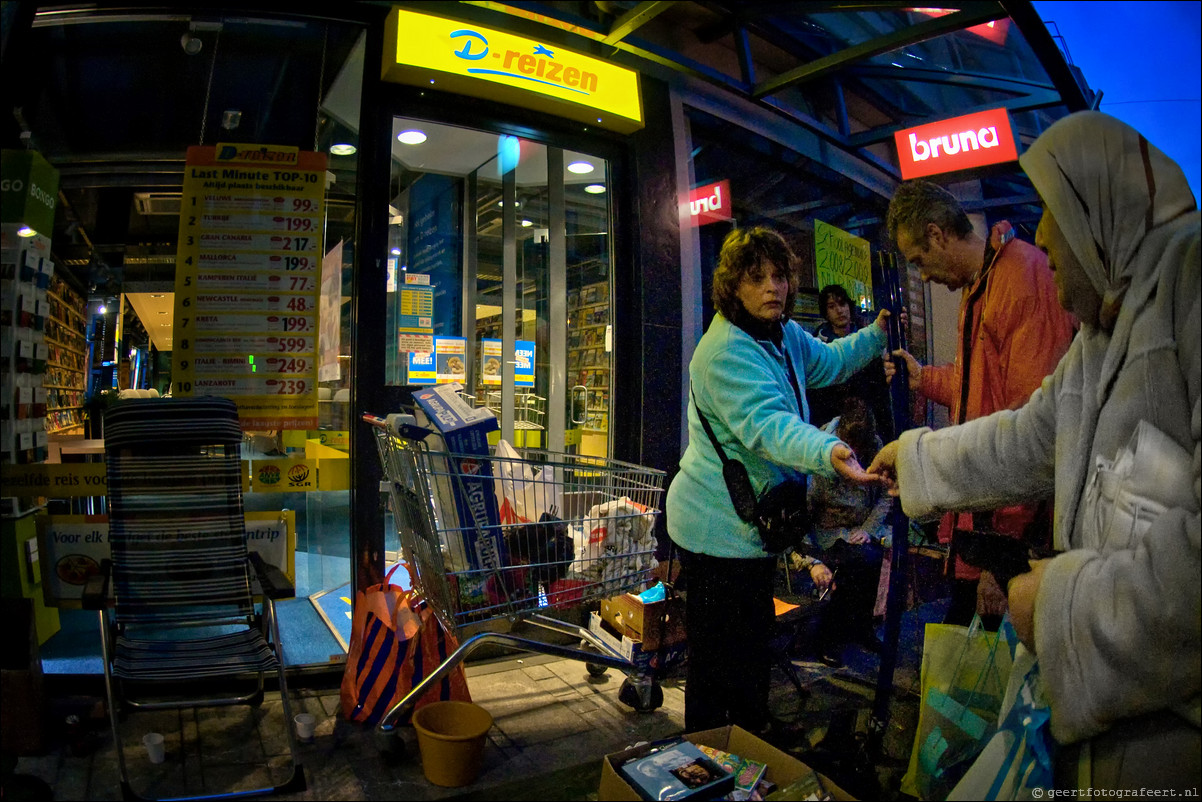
(729, 617)
(848, 616)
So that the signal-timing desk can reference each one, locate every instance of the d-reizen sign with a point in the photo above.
(470, 59)
(960, 143)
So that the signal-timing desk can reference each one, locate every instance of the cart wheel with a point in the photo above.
(596, 669)
(642, 696)
(391, 745)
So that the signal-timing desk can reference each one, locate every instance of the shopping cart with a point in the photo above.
(499, 539)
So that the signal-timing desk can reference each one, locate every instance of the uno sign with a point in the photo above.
(960, 143)
(710, 203)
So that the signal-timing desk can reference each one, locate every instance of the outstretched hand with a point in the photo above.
(884, 467)
(844, 461)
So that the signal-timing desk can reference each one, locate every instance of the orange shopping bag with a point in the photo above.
(396, 641)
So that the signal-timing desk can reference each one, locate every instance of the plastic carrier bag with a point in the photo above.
(396, 641)
(965, 671)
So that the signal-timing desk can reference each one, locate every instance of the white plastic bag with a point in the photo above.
(523, 495)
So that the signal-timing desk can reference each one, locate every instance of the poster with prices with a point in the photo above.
(247, 281)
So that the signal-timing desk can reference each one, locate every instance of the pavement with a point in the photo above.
(553, 723)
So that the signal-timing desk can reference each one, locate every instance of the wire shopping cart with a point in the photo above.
(502, 537)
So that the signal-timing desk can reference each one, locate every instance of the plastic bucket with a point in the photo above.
(450, 737)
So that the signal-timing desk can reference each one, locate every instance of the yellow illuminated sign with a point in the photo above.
(469, 59)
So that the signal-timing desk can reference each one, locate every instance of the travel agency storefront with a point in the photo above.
(516, 198)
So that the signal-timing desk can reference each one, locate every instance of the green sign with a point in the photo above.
(842, 258)
(29, 190)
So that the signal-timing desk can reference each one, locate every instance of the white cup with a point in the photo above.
(305, 723)
(155, 748)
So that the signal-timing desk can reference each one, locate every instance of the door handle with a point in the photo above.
(583, 391)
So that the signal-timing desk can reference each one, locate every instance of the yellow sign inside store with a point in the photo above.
(53, 480)
(470, 59)
(327, 469)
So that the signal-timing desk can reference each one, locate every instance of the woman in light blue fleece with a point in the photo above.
(748, 375)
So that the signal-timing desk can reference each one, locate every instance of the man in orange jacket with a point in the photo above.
(1011, 334)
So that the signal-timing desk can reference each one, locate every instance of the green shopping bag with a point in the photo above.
(962, 684)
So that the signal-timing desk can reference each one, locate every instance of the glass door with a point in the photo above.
(499, 280)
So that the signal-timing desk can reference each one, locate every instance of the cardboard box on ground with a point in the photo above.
(783, 770)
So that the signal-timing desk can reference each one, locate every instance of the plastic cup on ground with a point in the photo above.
(305, 724)
(156, 749)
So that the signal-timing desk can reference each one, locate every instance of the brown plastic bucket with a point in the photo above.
(450, 737)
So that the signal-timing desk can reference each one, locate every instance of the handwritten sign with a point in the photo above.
(843, 259)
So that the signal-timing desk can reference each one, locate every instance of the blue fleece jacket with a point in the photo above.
(743, 388)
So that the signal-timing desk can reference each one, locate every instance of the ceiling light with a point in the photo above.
(191, 44)
(595, 189)
(25, 231)
(412, 137)
(515, 203)
(580, 167)
(395, 251)
(102, 310)
(526, 224)
(342, 149)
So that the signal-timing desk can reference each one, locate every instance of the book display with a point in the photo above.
(66, 359)
(589, 363)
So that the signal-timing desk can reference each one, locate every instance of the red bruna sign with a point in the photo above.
(960, 143)
(710, 203)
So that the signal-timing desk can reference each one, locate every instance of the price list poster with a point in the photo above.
(247, 281)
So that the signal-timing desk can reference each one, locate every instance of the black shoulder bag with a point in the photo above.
(780, 514)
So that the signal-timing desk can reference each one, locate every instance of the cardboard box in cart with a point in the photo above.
(464, 430)
(783, 769)
(644, 660)
(646, 621)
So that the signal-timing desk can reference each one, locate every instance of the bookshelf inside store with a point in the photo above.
(66, 360)
(589, 363)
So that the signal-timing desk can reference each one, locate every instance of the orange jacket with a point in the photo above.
(1012, 333)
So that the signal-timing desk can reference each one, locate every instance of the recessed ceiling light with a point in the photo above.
(25, 231)
(580, 167)
(342, 149)
(526, 224)
(395, 251)
(595, 189)
(412, 137)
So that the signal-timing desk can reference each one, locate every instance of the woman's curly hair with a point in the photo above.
(742, 251)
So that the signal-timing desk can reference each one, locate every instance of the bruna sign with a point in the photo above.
(960, 143)
(710, 203)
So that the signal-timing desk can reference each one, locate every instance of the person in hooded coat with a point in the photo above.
(1114, 433)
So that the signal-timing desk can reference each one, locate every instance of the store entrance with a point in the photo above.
(499, 279)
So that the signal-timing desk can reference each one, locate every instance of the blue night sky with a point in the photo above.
(1144, 58)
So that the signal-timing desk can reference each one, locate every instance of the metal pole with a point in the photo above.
(898, 571)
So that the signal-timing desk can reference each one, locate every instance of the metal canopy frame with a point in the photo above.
(627, 33)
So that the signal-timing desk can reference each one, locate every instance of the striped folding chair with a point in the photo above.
(177, 600)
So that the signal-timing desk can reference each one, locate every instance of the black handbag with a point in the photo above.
(781, 514)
